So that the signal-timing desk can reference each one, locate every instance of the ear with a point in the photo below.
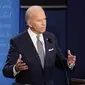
(29, 23)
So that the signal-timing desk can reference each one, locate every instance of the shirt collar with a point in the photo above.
(34, 34)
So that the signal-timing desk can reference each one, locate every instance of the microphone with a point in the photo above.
(66, 75)
(50, 40)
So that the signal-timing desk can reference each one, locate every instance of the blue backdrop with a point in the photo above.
(9, 26)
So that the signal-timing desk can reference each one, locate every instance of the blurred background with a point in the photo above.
(65, 18)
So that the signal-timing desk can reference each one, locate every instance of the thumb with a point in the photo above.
(69, 52)
(20, 57)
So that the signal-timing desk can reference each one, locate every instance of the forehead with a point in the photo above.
(37, 13)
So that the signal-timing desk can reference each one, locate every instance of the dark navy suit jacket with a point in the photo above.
(35, 75)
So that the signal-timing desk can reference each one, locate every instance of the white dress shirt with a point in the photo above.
(33, 37)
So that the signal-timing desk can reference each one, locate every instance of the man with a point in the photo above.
(33, 53)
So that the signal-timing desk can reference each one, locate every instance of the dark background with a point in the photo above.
(68, 24)
(43, 2)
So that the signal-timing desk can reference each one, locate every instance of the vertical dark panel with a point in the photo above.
(76, 33)
(57, 25)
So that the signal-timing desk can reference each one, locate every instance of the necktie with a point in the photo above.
(40, 51)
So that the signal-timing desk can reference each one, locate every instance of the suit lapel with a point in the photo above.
(32, 49)
(46, 46)
(46, 43)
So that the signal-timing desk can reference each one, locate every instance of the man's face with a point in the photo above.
(38, 22)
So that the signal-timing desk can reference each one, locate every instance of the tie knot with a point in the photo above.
(38, 37)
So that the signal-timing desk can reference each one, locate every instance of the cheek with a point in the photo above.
(38, 25)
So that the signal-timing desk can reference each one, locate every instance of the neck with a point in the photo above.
(35, 31)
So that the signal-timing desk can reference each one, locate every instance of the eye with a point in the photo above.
(39, 20)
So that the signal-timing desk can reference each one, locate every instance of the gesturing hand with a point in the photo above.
(71, 58)
(20, 65)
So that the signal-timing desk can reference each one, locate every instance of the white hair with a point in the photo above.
(31, 9)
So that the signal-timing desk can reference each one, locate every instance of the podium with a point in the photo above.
(75, 81)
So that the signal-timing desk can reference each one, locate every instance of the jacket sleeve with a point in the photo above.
(11, 60)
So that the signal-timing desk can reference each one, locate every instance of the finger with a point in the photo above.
(20, 64)
(23, 68)
(70, 56)
(74, 58)
(19, 61)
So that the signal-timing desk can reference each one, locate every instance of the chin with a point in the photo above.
(43, 31)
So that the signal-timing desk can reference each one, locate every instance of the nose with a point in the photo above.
(43, 22)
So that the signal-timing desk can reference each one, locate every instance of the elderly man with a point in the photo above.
(33, 53)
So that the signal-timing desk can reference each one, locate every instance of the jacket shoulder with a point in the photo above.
(49, 34)
(21, 35)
